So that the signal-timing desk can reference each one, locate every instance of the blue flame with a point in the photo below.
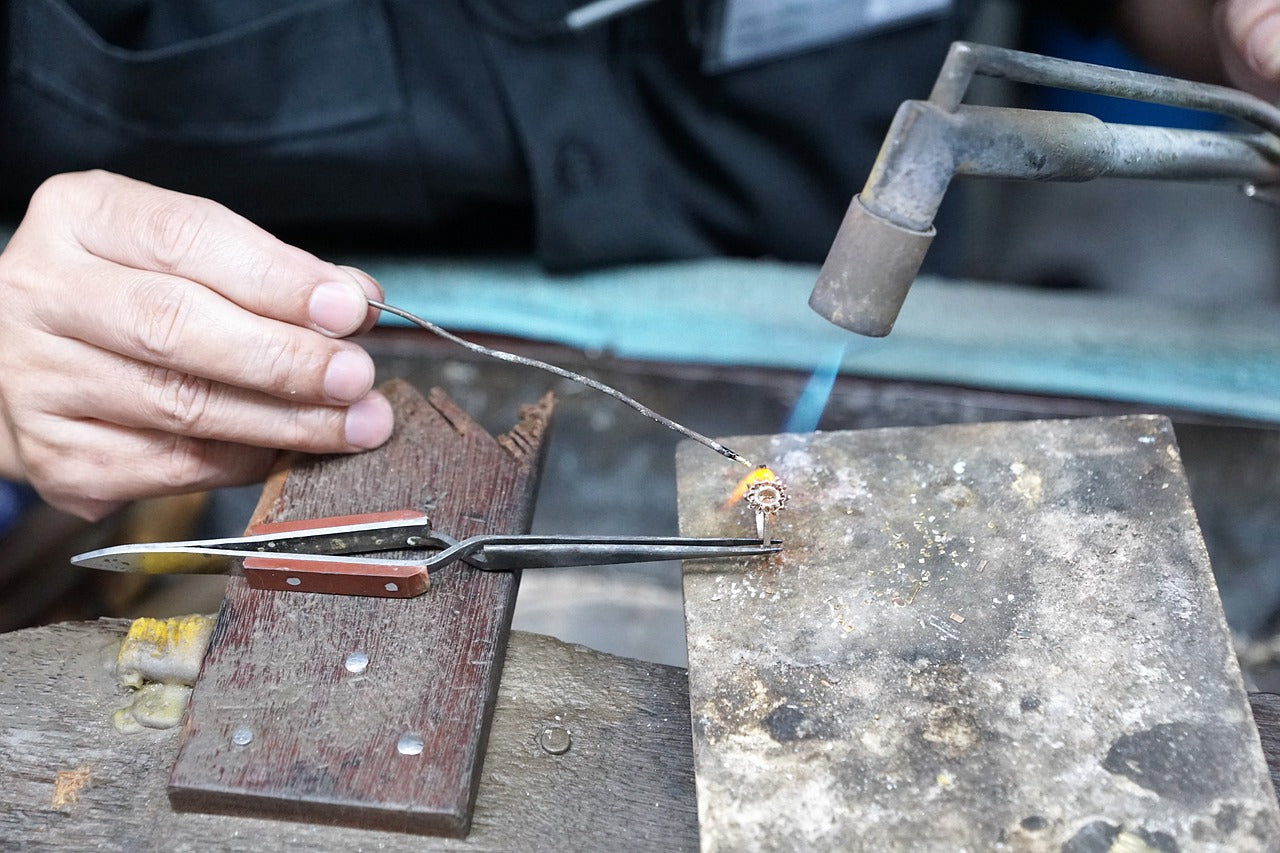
(812, 401)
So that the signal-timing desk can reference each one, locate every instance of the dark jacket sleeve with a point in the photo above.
(1088, 16)
(460, 124)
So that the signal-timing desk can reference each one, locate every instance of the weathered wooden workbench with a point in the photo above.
(586, 752)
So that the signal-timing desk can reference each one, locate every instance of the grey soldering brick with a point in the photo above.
(980, 635)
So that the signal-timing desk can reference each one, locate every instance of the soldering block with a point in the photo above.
(985, 636)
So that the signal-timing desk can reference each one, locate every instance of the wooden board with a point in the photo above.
(625, 783)
(281, 726)
(977, 635)
(1266, 713)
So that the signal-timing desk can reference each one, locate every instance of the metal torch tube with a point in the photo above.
(889, 226)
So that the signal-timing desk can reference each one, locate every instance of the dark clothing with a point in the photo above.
(460, 123)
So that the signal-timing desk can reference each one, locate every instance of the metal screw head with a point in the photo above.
(356, 662)
(409, 744)
(292, 581)
(555, 740)
(392, 587)
(242, 736)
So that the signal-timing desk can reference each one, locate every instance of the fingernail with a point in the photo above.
(369, 422)
(338, 309)
(349, 376)
(372, 290)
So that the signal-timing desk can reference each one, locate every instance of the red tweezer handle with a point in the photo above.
(297, 573)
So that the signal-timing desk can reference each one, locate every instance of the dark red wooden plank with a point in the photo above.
(1266, 713)
(363, 711)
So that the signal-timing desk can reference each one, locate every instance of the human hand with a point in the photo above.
(1248, 33)
(155, 343)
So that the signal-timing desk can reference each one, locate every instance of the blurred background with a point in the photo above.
(608, 470)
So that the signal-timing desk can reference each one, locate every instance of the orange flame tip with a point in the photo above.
(759, 475)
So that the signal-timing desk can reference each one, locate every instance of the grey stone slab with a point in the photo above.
(991, 636)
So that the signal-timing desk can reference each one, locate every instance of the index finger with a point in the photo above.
(148, 228)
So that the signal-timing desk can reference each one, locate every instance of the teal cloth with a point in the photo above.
(1220, 361)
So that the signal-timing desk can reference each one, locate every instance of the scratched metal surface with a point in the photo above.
(978, 635)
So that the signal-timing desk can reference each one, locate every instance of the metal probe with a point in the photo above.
(502, 355)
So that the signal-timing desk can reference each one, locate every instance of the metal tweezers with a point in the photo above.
(332, 555)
